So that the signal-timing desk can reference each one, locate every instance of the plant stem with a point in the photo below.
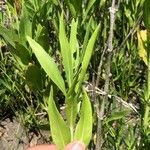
(99, 141)
(131, 32)
(147, 108)
(146, 115)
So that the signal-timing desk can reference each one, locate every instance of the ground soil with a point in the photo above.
(13, 136)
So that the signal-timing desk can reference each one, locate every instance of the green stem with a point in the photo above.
(71, 130)
(146, 115)
(147, 108)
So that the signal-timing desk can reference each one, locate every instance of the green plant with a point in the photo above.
(54, 63)
(146, 112)
(74, 77)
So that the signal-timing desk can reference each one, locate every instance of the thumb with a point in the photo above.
(76, 145)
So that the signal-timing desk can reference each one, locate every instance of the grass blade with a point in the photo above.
(71, 8)
(90, 4)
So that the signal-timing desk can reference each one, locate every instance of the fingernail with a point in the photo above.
(77, 146)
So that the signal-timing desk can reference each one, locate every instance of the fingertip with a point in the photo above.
(76, 145)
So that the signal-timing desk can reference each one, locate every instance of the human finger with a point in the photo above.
(76, 145)
(43, 147)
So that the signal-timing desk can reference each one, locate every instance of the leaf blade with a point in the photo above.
(65, 52)
(87, 56)
(59, 130)
(116, 116)
(83, 130)
(73, 38)
(47, 64)
(89, 6)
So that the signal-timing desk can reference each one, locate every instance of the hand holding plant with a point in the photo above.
(72, 146)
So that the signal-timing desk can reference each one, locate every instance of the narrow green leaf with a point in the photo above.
(72, 104)
(59, 130)
(111, 130)
(35, 77)
(83, 130)
(9, 35)
(86, 38)
(87, 56)
(19, 51)
(73, 42)
(47, 64)
(42, 37)
(55, 2)
(75, 80)
(71, 112)
(73, 38)
(22, 54)
(116, 116)
(90, 4)
(25, 24)
(71, 8)
(66, 52)
(146, 14)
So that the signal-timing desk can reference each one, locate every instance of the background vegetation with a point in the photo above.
(93, 50)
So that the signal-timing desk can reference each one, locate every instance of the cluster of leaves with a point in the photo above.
(49, 46)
